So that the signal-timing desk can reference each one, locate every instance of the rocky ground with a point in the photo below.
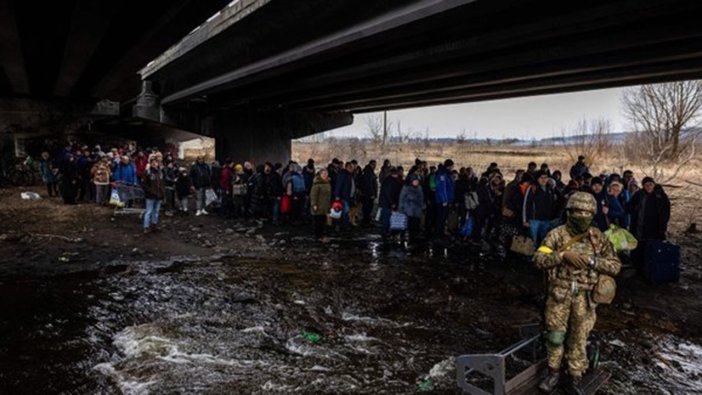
(650, 336)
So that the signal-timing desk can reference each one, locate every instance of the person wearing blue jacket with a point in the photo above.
(615, 211)
(125, 172)
(444, 194)
(608, 207)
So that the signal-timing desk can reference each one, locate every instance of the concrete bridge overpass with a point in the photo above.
(261, 72)
(66, 63)
(274, 59)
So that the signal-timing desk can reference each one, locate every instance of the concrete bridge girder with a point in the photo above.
(261, 136)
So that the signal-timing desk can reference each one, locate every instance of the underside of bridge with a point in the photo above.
(345, 57)
(67, 65)
(261, 72)
(361, 56)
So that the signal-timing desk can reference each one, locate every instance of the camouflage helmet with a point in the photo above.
(582, 201)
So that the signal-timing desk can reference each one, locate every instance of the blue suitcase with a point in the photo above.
(661, 262)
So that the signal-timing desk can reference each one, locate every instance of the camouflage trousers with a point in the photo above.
(571, 315)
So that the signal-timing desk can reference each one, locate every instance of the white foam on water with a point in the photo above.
(353, 317)
(318, 368)
(362, 350)
(179, 357)
(271, 386)
(370, 320)
(254, 329)
(126, 386)
(298, 348)
(298, 345)
(443, 368)
(359, 337)
(686, 355)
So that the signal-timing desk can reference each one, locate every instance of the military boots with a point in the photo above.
(550, 382)
(573, 386)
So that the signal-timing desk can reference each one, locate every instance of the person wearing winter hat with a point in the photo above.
(650, 212)
(607, 210)
(574, 255)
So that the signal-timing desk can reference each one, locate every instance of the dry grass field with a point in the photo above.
(684, 189)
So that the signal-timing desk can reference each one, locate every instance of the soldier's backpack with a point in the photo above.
(605, 289)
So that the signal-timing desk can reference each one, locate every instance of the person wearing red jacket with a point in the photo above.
(225, 184)
(140, 162)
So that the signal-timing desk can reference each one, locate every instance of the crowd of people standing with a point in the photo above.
(436, 200)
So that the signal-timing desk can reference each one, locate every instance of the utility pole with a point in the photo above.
(385, 127)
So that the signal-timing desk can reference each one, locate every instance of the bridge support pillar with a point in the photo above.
(266, 136)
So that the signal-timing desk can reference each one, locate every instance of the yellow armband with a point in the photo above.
(545, 250)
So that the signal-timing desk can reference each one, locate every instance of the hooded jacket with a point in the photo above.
(444, 186)
(411, 200)
(320, 196)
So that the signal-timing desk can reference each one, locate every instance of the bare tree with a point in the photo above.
(374, 128)
(402, 137)
(461, 137)
(207, 147)
(589, 138)
(661, 113)
(654, 162)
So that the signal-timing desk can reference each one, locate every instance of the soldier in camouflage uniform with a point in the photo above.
(573, 268)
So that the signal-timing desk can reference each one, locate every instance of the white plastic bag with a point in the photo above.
(335, 213)
(114, 199)
(30, 196)
(398, 221)
(210, 196)
(378, 214)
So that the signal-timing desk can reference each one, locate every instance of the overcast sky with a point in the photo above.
(536, 116)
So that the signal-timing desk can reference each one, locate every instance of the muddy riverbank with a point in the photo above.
(89, 305)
